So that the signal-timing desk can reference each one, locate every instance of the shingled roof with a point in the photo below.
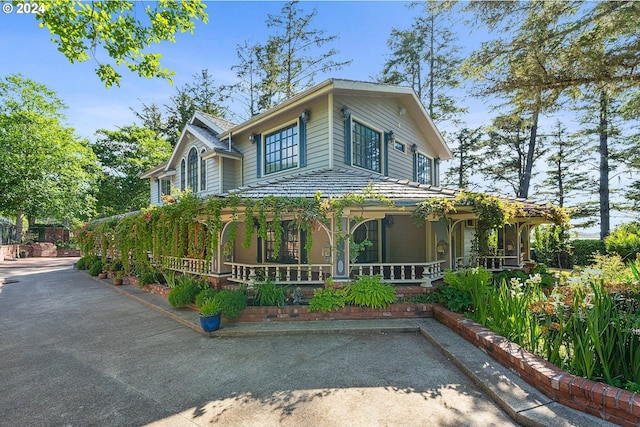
(338, 181)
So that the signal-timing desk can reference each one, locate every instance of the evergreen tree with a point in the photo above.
(568, 181)
(281, 67)
(507, 153)
(202, 94)
(427, 58)
(467, 159)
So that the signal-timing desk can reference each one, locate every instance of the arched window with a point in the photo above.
(182, 175)
(203, 172)
(192, 169)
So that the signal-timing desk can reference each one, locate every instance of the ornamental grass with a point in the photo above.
(588, 324)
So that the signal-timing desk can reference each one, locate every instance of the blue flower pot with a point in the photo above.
(210, 323)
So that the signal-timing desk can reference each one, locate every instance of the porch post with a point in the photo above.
(340, 268)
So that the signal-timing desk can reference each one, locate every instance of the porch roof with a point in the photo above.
(339, 181)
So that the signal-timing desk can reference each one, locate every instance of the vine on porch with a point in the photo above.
(190, 226)
(492, 213)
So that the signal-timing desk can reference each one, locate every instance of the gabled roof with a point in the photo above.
(352, 87)
(339, 181)
(153, 171)
(208, 134)
(219, 124)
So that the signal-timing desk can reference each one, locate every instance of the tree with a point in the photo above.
(562, 48)
(112, 33)
(507, 152)
(202, 94)
(45, 170)
(519, 68)
(426, 57)
(124, 154)
(466, 158)
(601, 125)
(249, 73)
(568, 180)
(281, 67)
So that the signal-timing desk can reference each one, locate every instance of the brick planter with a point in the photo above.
(601, 400)
(302, 313)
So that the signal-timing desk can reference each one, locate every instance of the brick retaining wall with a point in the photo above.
(302, 313)
(601, 400)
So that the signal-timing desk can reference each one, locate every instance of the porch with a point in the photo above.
(419, 273)
(423, 274)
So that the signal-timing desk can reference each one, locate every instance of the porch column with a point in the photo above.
(340, 268)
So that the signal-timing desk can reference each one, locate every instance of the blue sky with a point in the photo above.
(363, 28)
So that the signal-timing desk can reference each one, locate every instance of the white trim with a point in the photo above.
(404, 147)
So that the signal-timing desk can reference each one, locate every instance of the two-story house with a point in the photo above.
(336, 138)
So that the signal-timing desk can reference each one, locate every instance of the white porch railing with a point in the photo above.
(306, 274)
(494, 263)
(186, 265)
(418, 272)
(303, 274)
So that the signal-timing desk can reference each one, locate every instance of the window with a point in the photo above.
(281, 149)
(165, 187)
(366, 147)
(289, 245)
(400, 147)
(423, 169)
(182, 175)
(367, 231)
(203, 172)
(192, 169)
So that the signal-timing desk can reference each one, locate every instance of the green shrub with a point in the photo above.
(169, 278)
(550, 246)
(232, 302)
(86, 262)
(507, 275)
(584, 250)
(204, 295)
(624, 240)
(268, 293)
(96, 268)
(327, 299)
(369, 291)
(185, 291)
(210, 307)
(455, 299)
(146, 277)
(116, 265)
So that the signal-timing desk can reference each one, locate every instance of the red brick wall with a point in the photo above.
(601, 400)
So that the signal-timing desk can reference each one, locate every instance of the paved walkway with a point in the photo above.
(79, 351)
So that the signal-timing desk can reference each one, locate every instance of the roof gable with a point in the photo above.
(352, 87)
(206, 129)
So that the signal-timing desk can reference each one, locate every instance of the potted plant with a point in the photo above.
(118, 278)
(210, 313)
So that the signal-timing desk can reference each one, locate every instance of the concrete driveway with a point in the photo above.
(74, 352)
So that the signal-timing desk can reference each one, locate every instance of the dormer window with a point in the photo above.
(366, 147)
(281, 149)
